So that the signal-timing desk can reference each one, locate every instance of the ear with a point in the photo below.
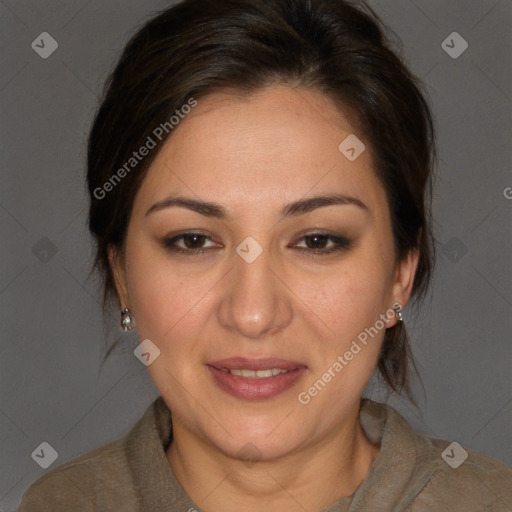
(117, 266)
(403, 280)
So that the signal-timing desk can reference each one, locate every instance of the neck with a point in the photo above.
(311, 478)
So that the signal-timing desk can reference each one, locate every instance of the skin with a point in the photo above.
(253, 156)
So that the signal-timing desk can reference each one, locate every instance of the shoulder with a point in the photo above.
(108, 477)
(466, 480)
(94, 481)
(432, 474)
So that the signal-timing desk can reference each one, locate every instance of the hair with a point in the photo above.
(338, 48)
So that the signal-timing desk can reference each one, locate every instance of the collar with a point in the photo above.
(403, 467)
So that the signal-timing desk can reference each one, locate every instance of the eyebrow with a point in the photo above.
(300, 207)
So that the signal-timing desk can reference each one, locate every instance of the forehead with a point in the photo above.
(277, 144)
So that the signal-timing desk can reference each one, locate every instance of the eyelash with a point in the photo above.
(341, 244)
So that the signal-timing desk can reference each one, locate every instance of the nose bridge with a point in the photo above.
(255, 302)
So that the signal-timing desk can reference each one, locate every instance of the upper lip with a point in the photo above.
(242, 363)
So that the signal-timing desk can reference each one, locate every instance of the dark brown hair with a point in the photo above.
(336, 47)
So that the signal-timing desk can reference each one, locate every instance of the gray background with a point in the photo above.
(53, 335)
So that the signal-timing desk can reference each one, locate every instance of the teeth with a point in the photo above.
(256, 374)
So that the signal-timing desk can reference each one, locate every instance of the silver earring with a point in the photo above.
(127, 321)
(398, 312)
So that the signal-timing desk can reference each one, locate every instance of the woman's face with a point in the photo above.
(272, 279)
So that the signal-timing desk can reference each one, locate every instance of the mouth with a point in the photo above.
(255, 379)
(254, 374)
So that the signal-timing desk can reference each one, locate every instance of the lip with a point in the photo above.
(256, 364)
(255, 389)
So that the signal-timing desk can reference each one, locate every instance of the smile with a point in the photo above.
(255, 374)
(255, 379)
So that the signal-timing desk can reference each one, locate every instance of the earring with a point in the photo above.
(127, 321)
(398, 312)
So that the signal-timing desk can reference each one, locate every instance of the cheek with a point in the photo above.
(348, 306)
(163, 302)
(350, 300)
(344, 359)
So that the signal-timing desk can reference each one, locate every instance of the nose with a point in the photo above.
(256, 301)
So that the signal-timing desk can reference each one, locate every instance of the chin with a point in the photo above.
(262, 437)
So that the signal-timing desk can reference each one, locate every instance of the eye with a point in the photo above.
(318, 243)
(191, 243)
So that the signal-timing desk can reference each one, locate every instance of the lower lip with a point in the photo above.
(255, 389)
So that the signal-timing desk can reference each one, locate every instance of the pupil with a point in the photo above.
(193, 239)
(316, 238)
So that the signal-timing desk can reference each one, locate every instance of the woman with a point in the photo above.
(260, 175)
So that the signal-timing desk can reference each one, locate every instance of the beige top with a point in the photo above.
(409, 473)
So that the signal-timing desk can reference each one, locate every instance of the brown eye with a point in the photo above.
(193, 240)
(318, 243)
(189, 243)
